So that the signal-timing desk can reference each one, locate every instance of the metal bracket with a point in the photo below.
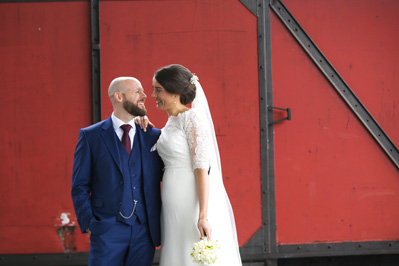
(288, 110)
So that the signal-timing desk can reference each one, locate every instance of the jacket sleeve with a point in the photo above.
(81, 182)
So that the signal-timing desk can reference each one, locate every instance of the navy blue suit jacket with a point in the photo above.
(97, 178)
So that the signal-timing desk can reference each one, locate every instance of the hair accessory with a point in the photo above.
(193, 79)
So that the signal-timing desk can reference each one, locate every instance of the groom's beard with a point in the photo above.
(133, 109)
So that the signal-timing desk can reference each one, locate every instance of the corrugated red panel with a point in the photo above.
(46, 98)
(333, 181)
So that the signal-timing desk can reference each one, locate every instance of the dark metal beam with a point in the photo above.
(252, 6)
(336, 80)
(267, 130)
(95, 60)
(260, 8)
(338, 249)
(284, 252)
(80, 258)
(253, 250)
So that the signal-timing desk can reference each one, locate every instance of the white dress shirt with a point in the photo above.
(116, 122)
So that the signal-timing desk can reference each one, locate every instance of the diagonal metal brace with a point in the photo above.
(336, 80)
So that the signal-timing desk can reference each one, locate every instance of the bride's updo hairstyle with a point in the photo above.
(176, 79)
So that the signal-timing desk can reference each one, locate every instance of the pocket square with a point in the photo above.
(154, 148)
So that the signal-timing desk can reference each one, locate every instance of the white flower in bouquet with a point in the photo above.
(205, 252)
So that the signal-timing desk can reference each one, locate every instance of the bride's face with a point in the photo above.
(164, 99)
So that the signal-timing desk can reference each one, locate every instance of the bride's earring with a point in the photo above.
(175, 99)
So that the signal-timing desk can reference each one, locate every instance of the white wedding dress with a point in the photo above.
(183, 147)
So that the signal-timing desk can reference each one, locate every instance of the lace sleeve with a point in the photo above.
(197, 138)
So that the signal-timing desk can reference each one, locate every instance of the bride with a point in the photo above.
(194, 201)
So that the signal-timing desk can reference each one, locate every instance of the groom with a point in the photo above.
(116, 182)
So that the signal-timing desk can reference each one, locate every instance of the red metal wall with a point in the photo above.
(333, 181)
(45, 80)
(216, 40)
(46, 98)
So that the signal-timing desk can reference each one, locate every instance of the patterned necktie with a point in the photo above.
(125, 138)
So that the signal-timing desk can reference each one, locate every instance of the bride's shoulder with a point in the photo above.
(193, 118)
(186, 114)
(183, 118)
(192, 114)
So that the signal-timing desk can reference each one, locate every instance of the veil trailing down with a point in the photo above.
(219, 201)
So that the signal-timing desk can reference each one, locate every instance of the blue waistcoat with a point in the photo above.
(132, 185)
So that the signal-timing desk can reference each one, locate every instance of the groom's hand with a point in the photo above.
(205, 228)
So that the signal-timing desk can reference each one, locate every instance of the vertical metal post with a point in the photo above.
(95, 60)
(267, 146)
(269, 167)
(261, 10)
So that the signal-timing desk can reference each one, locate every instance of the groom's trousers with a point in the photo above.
(122, 245)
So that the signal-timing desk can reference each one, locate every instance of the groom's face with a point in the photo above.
(134, 99)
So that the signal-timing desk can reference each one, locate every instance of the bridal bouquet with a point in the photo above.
(205, 251)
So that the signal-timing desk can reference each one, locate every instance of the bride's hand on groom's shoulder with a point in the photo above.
(143, 122)
(205, 228)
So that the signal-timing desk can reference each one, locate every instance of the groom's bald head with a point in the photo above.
(120, 84)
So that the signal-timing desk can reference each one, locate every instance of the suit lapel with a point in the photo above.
(144, 150)
(111, 141)
(141, 138)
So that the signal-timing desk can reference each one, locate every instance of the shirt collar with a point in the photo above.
(116, 122)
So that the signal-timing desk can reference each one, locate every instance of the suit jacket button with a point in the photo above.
(131, 163)
(119, 203)
(121, 182)
(133, 175)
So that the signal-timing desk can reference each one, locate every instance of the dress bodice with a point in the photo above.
(183, 142)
